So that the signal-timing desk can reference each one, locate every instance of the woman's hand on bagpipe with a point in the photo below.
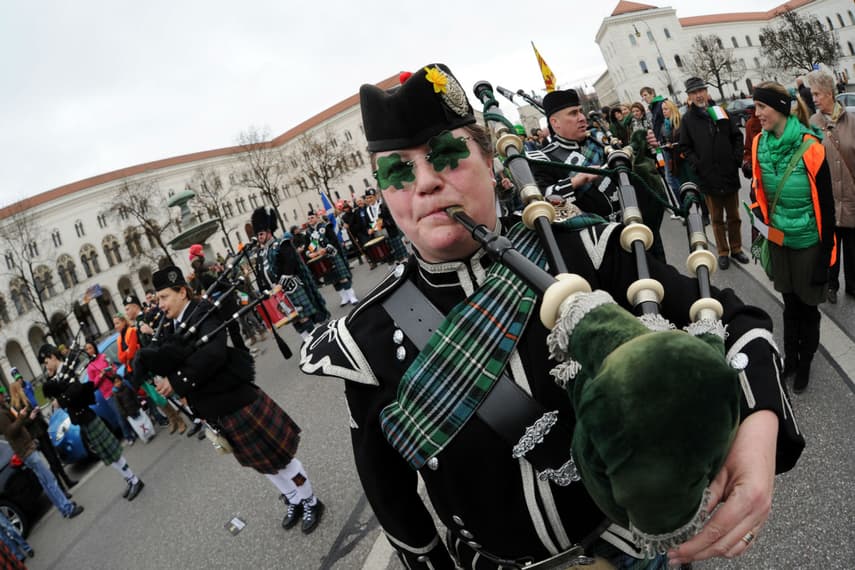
(163, 387)
(741, 494)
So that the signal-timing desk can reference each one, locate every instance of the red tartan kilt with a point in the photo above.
(277, 317)
(262, 435)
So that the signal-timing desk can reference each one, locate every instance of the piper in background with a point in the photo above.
(324, 246)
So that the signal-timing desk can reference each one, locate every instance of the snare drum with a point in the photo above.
(279, 310)
(377, 250)
(320, 266)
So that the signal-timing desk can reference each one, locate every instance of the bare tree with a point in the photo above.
(264, 166)
(321, 158)
(211, 195)
(709, 59)
(142, 205)
(799, 43)
(30, 272)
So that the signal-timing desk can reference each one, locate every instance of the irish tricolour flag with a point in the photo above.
(716, 112)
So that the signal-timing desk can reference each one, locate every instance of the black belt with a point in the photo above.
(507, 409)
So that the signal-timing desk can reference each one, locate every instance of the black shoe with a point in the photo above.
(127, 490)
(31, 553)
(791, 365)
(67, 494)
(723, 262)
(312, 515)
(135, 489)
(832, 296)
(194, 429)
(800, 384)
(740, 257)
(201, 435)
(292, 515)
(70, 483)
(75, 511)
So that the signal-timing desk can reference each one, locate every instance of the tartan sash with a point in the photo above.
(462, 361)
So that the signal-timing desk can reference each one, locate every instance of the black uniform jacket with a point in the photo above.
(599, 198)
(712, 149)
(215, 379)
(490, 502)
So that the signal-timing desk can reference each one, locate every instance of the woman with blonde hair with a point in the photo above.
(792, 184)
(838, 128)
(669, 134)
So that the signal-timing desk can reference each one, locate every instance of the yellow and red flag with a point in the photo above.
(548, 76)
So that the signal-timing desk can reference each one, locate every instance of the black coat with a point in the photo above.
(127, 400)
(713, 150)
(478, 490)
(215, 379)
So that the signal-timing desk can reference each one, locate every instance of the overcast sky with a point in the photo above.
(92, 86)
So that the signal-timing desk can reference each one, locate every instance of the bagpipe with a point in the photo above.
(65, 384)
(656, 408)
(510, 95)
(164, 355)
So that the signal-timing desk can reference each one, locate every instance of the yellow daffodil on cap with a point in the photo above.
(437, 78)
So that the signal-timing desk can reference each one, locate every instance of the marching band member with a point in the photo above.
(280, 264)
(413, 409)
(76, 397)
(572, 144)
(217, 383)
(324, 242)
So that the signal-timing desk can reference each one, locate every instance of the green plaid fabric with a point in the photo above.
(448, 380)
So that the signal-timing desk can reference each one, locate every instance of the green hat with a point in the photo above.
(656, 409)
(520, 130)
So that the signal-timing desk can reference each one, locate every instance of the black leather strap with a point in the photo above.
(507, 409)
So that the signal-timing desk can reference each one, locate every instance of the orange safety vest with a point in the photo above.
(813, 158)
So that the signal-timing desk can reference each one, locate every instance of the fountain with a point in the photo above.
(193, 234)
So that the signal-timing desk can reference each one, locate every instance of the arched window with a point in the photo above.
(830, 25)
(678, 61)
(756, 63)
(111, 250)
(667, 33)
(748, 41)
(851, 17)
(4, 310)
(840, 19)
(760, 39)
(153, 228)
(89, 259)
(132, 242)
(733, 41)
(643, 66)
(66, 270)
(718, 41)
(632, 40)
(661, 63)
(20, 296)
(650, 36)
(78, 228)
(43, 282)
(56, 238)
(851, 50)
(749, 85)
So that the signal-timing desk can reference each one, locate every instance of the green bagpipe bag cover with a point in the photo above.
(656, 412)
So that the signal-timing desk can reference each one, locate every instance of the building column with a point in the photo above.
(103, 326)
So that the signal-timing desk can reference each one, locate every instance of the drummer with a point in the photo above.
(411, 415)
(278, 264)
(323, 245)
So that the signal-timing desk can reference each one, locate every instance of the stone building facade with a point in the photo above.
(644, 45)
(86, 256)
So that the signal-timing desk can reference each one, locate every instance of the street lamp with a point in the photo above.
(659, 52)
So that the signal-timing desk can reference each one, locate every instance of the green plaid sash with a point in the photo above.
(462, 361)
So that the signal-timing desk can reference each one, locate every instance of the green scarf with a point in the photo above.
(781, 149)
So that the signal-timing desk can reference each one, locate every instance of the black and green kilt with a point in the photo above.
(340, 270)
(101, 441)
(262, 435)
(399, 250)
(307, 299)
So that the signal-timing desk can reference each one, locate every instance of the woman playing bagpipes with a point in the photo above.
(470, 406)
(216, 382)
